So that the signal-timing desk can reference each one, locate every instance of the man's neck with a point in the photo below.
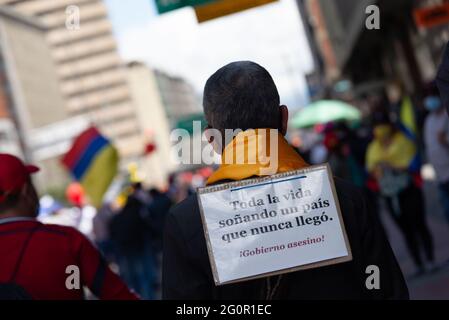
(12, 214)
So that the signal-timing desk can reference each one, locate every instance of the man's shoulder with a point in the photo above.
(61, 229)
(71, 234)
(186, 215)
(357, 212)
(351, 197)
(347, 190)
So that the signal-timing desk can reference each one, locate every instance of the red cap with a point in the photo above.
(13, 175)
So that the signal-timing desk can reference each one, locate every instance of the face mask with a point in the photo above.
(382, 132)
(432, 103)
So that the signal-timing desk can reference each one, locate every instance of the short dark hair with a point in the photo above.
(241, 95)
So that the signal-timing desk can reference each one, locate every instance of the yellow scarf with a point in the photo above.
(399, 154)
(255, 142)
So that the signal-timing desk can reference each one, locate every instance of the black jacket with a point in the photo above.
(187, 273)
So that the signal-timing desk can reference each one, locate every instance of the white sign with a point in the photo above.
(272, 225)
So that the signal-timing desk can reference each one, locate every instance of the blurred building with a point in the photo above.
(399, 51)
(432, 36)
(30, 96)
(178, 97)
(153, 120)
(312, 23)
(92, 81)
(9, 140)
(164, 103)
(183, 108)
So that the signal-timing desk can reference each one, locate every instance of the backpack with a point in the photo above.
(11, 290)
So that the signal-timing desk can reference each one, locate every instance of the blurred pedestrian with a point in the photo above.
(338, 154)
(341, 144)
(101, 233)
(390, 160)
(35, 257)
(159, 208)
(158, 211)
(243, 95)
(436, 137)
(131, 238)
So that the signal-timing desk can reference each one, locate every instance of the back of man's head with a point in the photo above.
(18, 197)
(241, 95)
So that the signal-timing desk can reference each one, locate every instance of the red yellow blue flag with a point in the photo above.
(93, 161)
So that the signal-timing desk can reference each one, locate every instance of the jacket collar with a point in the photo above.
(16, 219)
(254, 153)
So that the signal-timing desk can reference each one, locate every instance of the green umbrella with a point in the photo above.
(325, 111)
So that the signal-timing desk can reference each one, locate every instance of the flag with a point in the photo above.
(408, 125)
(407, 119)
(93, 162)
(150, 148)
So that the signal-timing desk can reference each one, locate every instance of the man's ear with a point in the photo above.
(208, 135)
(214, 137)
(284, 119)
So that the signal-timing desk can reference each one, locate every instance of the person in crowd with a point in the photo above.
(436, 138)
(158, 211)
(45, 262)
(178, 188)
(131, 237)
(338, 152)
(340, 141)
(159, 208)
(391, 160)
(243, 95)
(317, 153)
(442, 79)
(101, 234)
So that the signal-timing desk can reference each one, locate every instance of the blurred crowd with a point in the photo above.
(128, 229)
(384, 155)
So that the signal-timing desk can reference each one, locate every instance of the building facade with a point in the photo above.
(430, 41)
(151, 113)
(178, 97)
(30, 96)
(399, 51)
(92, 80)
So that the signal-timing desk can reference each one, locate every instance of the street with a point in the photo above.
(433, 285)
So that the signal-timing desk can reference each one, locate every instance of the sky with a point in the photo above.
(271, 35)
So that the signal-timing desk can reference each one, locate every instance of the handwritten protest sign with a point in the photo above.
(273, 225)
